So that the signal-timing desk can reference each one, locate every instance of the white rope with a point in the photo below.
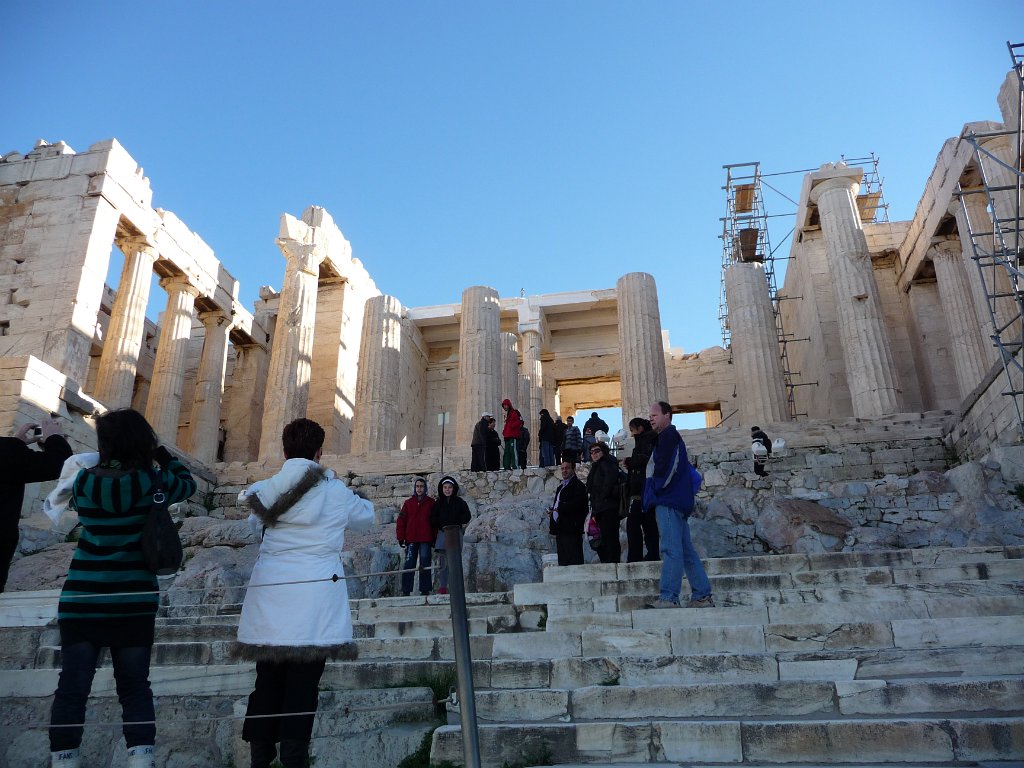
(334, 578)
(341, 710)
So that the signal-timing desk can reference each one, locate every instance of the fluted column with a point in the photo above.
(534, 375)
(755, 346)
(641, 351)
(973, 216)
(969, 354)
(115, 379)
(870, 369)
(292, 355)
(244, 415)
(479, 358)
(375, 423)
(509, 354)
(163, 408)
(205, 422)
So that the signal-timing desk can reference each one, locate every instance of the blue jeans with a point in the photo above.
(131, 673)
(414, 550)
(547, 453)
(678, 555)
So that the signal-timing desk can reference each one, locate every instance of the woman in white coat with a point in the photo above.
(291, 629)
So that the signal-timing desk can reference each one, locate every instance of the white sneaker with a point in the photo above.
(662, 603)
(142, 756)
(67, 758)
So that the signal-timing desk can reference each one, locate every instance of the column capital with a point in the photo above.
(214, 318)
(944, 248)
(305, 257)
(138, 245)
(178, 283)
(846, 181)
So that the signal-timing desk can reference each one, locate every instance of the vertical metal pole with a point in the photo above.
(463, 658)
(443, 422)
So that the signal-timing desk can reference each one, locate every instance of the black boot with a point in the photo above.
(262, 753)
(294, 753)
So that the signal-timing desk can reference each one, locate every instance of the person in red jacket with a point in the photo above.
(512, 432)
(417, 535)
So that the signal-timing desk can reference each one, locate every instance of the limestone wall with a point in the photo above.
(987, 417)
(701, 381)
(413, 414)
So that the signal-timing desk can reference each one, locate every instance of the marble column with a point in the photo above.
(244, 413)
(291, 357)
(163, 407)
(970, 358)
(205, 422)
(760, 386)
(641, 351)
(479, 359)
(115, 379)
(375, 424)
(530, 407)
(973, 216)
(870, 368)
(509, 344)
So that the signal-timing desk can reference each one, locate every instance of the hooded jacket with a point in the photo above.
(303, 512)
(636, 465)
(546, 433)
(513, 421)
(449, 510)
(413, 523)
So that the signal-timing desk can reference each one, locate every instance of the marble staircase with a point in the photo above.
(912, 657)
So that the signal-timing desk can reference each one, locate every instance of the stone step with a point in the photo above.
(785, 699)
(573, 672)
(1000, 571)
(795, 563)
(904, 740)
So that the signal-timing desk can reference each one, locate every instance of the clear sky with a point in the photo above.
(537, 146)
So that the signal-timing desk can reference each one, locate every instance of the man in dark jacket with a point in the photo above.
(546, 435)
(641, 524)
(19, 464)
(567, 514)
(669, 489)
(595, 424)
(559, 438)
(479, 443)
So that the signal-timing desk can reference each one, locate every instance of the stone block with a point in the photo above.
(869, 741)
(511, 704)
(629, 643)
(704, 640)
(581, 622)
(712, 668)
(519, 674)
(826, 669)
(815, 637)
(989, 739)
(703, 742)
(959, 632)
(534, 645)
(816, 461)
(838, 614)
(699, 617)
(897, 697)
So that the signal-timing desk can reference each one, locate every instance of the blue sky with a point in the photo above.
(537, 146)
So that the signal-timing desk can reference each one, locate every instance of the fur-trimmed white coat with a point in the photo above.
(302, 513)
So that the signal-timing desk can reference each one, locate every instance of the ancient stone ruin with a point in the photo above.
(884, 546)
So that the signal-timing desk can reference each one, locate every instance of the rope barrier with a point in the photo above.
(345, 711)
(333, 577)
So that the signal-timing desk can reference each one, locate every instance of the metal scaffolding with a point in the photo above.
(745, 237)
(995, 236)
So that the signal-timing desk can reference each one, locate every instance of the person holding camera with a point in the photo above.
(19, 464)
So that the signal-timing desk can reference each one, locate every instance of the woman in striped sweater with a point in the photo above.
(110, 597)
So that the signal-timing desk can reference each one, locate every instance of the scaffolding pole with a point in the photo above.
(996, 241)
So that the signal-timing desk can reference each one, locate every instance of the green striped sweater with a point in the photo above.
(112, 508)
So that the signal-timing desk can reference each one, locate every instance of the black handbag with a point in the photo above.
(161, 545)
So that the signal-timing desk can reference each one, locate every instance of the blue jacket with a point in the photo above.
(669, 482)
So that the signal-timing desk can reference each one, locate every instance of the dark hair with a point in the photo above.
(126, 437)
(569, 418)
(603, 447)
(665, 407)
(302, 439)
(570, 462)
(754, 429)
(644, 425)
